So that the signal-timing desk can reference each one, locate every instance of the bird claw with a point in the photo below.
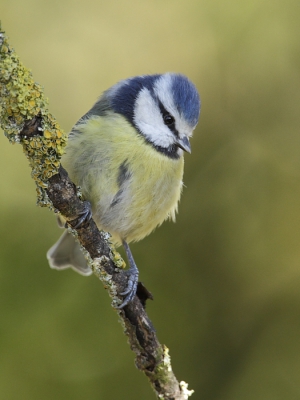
(131, 288)
(85, 215)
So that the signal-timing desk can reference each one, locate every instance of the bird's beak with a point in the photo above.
(184, 144)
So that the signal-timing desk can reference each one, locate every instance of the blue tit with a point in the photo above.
(126, 154)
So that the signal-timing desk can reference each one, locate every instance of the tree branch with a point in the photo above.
(25, 119)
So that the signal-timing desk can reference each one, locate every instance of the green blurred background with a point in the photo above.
(226, 276)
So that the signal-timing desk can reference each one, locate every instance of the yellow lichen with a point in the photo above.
(116, 257)
(21, 100)
(47, 134)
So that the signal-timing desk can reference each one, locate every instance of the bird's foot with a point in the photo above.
(130, 290)
(133, 278)
(85, 215)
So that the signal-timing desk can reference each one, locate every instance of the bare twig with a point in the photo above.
(25, 119)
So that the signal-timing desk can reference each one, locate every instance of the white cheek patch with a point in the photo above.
(148, 119)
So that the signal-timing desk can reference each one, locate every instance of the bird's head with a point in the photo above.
(163, 108)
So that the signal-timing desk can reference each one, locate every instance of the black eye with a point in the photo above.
(168, 119)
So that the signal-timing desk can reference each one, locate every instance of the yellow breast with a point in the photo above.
(132, 187)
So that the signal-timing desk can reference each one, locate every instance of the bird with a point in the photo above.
(126, 155)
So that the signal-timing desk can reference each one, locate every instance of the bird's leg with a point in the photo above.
(133, 276)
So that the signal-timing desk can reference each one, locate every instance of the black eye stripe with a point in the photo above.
(168, 118)
(164, 112)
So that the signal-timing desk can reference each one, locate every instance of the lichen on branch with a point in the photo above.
(23, 102)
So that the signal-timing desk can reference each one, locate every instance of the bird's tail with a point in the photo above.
(66, 253)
